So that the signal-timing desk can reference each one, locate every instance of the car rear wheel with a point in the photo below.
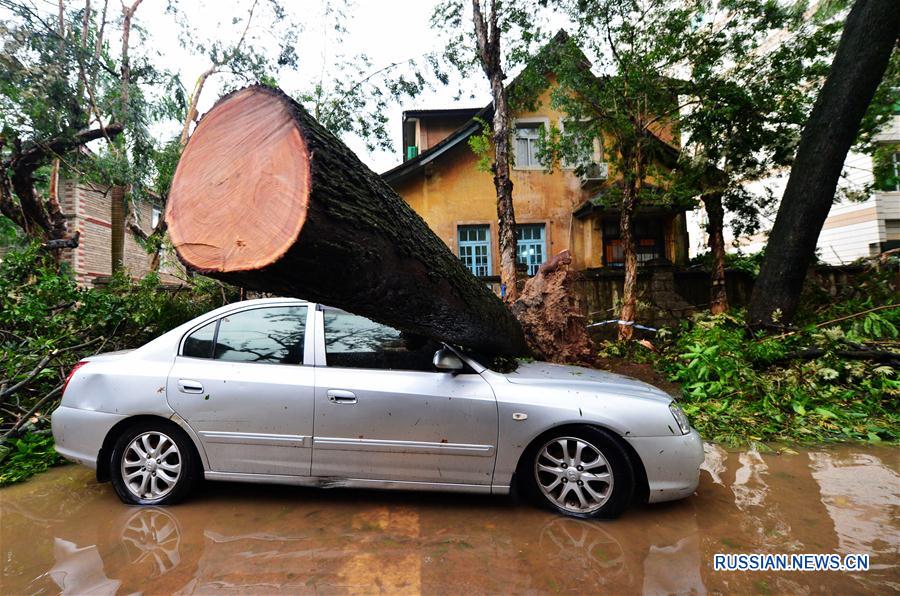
(153, 464)
(583, 473)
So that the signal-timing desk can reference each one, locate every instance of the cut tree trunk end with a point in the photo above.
(552, 315)
(265, 198)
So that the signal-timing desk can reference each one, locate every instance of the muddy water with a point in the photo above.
(62, 532)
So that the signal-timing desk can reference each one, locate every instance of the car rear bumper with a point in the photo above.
(672, 464)
(79, 434)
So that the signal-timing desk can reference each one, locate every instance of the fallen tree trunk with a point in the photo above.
(265, 198)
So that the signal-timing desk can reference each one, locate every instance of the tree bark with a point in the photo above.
(629, 287)
(267, 199)
(192, 106)
(718, 297)
(127, 15)
(869, 37)
(40, 219)
(487, 35)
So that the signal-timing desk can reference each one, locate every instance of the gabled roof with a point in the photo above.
(472, 126)
(461, 134)
(435, 113)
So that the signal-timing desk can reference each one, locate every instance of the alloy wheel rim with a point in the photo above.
(151, 465)
(573, 474)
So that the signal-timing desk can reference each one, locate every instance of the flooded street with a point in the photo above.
(63, 532)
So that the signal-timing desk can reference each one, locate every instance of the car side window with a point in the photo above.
(264, 335)
(352, 341)
(199, 344)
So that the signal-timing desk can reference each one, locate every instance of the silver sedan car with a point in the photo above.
(289, 392)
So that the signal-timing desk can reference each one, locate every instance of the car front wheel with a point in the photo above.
(153, 464)
(584, 473)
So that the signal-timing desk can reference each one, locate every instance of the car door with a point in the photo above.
(384, 413)
(243, 383)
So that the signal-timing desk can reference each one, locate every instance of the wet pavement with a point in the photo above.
(63, 532)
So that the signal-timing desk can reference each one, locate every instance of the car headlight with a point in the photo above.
(680, 418)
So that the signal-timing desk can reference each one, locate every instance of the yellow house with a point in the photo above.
(555, 210)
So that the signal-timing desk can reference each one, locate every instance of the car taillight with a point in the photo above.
(71, 374)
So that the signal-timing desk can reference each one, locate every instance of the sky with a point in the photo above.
(386, 30)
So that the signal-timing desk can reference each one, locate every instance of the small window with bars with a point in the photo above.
(531, 246)
(475, 248)
(648, 242)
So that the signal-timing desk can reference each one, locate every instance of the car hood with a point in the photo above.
(589, 379)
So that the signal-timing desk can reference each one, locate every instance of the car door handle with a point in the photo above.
(339, 396)
(188, 386)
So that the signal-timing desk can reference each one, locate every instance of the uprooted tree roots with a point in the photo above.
(551, 314)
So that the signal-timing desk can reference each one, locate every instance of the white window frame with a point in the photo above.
(596, 154)
(537, 120)
(533, 265)
(473, 245)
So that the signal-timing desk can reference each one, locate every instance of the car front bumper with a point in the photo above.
(672, 464)
(79, 434)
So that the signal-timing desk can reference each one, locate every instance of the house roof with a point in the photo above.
(596, 206)
(435, 113)
(472, 126)
(460, 134)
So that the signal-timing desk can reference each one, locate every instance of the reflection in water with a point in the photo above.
(152, 539)
(59, 535)
(864, 512)
(749, 486)
(79, 570)
(674, 569)
(715, 462)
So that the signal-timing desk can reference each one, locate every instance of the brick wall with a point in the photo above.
(89, 209)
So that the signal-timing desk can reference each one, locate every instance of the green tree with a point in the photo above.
(480, 46)
(727, 80)
(863, 56)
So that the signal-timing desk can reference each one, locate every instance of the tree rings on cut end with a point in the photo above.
(240, 193)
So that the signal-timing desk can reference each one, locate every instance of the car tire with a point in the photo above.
(153, 463)
(593, 478)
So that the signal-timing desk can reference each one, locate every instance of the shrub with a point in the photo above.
(802, 387)
(48, 323)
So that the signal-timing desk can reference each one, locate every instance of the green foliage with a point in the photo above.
(749, 263)
(739, 388)
(25, 457)
(44, 313)
(482, 146)
(885, 169)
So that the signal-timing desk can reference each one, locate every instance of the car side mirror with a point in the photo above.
(447, 361)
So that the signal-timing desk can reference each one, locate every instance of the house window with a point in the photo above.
(531, 246)
(475, 248)
(528, 136)
(648, 240)
(155, 214)
(895, 169)
(584, 149)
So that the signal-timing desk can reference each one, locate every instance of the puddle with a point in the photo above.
(62, 532)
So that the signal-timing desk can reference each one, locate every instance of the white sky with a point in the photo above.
(386, 30)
